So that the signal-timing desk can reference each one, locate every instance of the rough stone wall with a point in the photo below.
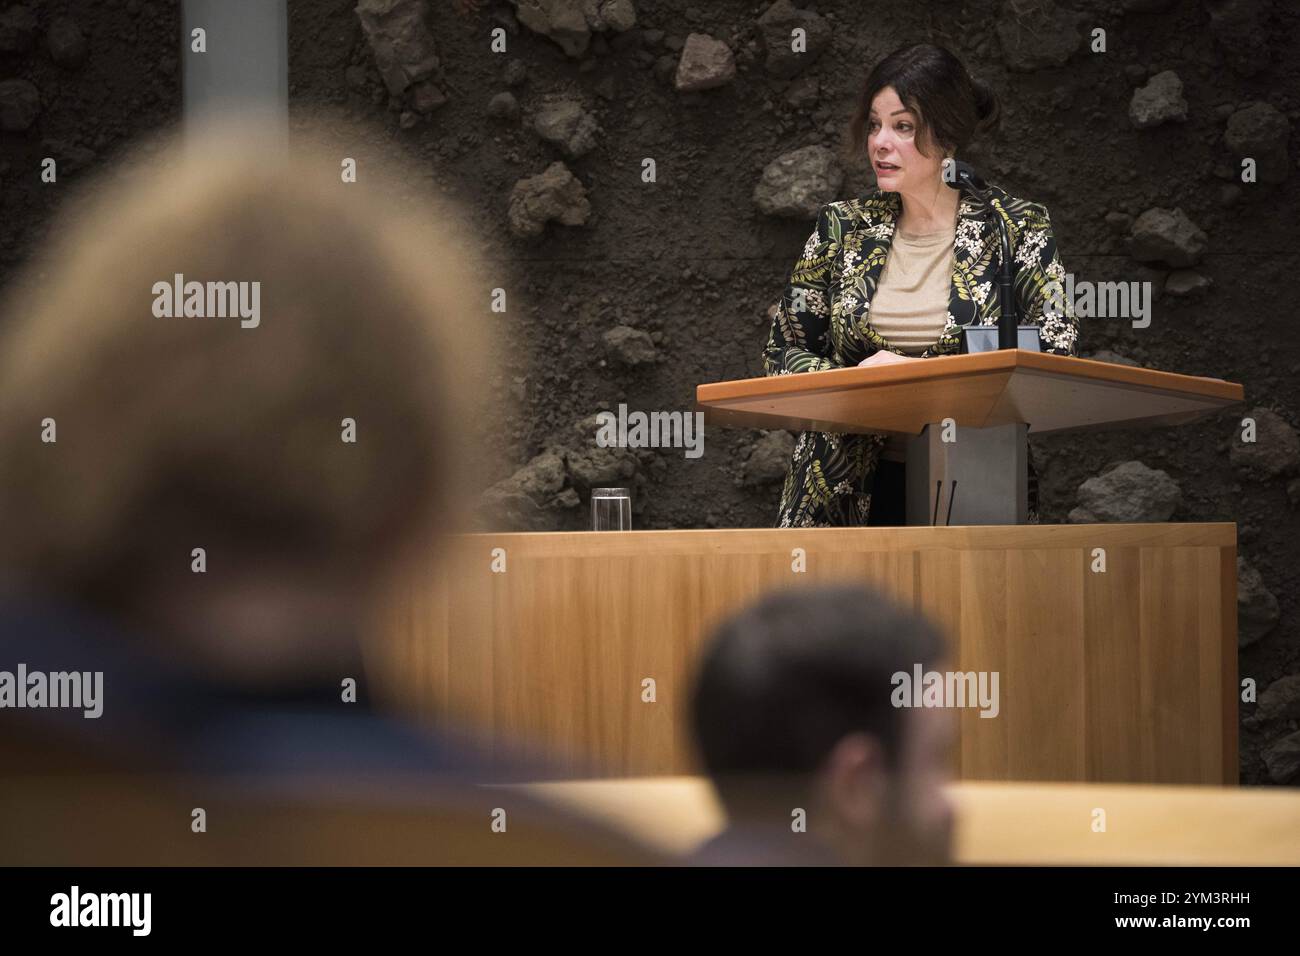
(79, 82)
(621, 290)
(626, 291)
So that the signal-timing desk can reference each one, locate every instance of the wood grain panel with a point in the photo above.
(1112, 635)
(1127, 675)
(1227, 643)
(982, 636)
(1168, 665)
(939, 597)
(1043, 685)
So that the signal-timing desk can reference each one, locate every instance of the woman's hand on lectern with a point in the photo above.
(885, 357)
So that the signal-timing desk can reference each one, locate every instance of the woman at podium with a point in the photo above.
(893, 275)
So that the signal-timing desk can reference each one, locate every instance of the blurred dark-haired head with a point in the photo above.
(792, 711)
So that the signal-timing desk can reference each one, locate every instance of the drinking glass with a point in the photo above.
(611, 509)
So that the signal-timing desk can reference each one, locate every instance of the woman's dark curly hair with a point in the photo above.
(951, 108)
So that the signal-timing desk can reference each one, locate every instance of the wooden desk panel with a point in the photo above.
(1126, 676)
(1018, 824)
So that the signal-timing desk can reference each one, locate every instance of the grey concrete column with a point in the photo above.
(244, 73)
(981, 477)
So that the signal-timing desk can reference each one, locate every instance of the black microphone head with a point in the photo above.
(962, 175)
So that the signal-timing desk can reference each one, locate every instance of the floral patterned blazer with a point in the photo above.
(824, 317)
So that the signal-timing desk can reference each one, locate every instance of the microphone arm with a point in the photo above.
(967, 178)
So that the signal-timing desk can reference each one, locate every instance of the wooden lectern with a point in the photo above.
(1115, 644)
(964, 419)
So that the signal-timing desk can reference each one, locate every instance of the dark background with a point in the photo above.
(690, 264)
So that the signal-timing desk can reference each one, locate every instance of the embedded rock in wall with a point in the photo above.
(570, 23)
(564, 123)
(1160, 101)
(1167, 236)
(553, 195)
(797, 184)
(1129, 493)
(705, 63)
(1275, 450)
(769, 459)
(400, 41)
(1257, 608)
(629, 347)
(1238, 27)
(1259, 132)
(790, 52)
(1038, 34)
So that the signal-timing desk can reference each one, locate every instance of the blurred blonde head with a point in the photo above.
(186, 432)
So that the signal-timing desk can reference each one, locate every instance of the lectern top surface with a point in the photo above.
(1049, 392)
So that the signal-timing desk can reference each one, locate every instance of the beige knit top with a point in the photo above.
(910, 305)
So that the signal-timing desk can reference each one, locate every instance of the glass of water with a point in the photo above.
(611, 509)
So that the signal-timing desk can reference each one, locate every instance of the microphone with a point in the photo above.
(964, 176)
